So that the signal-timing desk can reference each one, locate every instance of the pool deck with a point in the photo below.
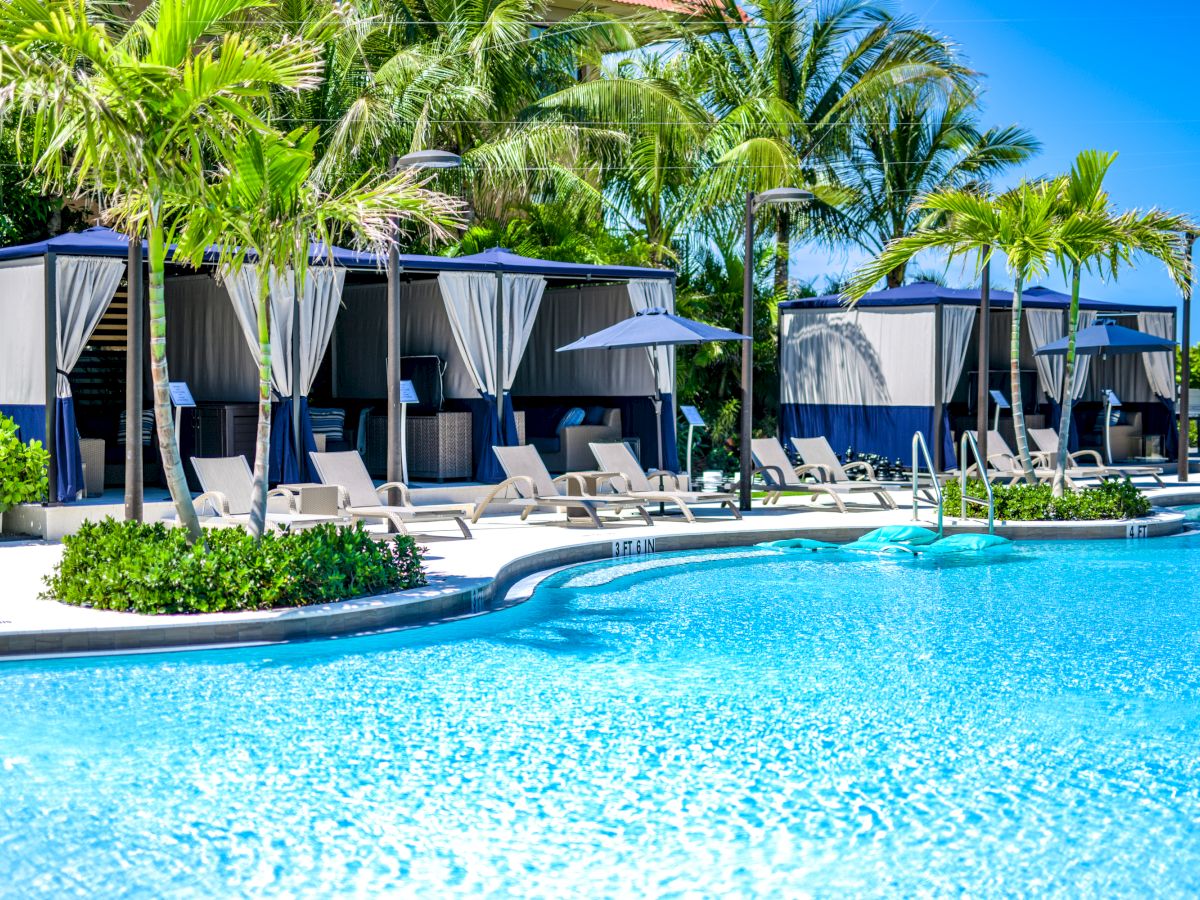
(469, 577)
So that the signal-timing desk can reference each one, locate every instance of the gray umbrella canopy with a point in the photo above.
(653, 327)
(1107, 338)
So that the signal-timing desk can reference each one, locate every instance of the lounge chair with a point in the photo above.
(228, 488)
(817, 456)
(1003, 463)
(528, 476)
(360, 499)
(1046, 440)
(632, 480)
(781, 475)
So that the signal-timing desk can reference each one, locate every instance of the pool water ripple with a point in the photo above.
(741, 725)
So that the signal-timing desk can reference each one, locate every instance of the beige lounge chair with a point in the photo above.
(781, 475)
(1046, 440)
(228, 488)
(817, 456)
(528, 476)
(633, 480)
(1003, 463)
(360, 499)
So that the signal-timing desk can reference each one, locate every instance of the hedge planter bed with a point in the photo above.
(151, 569)
(1037, 503)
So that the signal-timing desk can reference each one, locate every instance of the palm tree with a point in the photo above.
(913, 141)
(265, 200)
(102, 111)
(1092, 234)
(1021, 223)
(786, 86)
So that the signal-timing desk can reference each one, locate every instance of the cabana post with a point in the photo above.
(982, 366)
(51, 344)
(395, 439)
(135, 345)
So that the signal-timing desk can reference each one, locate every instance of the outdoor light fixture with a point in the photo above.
(429, 159)
(754, 202)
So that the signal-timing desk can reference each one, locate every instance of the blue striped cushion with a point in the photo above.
(572, 417)
(328, 421)
(147, 428)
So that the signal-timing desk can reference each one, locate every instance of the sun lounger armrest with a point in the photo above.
(219, 502)
(575, 478)
(405, 497)
(517, 481)
(293, 502)
(860, 464)
(1042, 458)
(1093, 455)
(772, 475)
(824, 473)
(667, 481)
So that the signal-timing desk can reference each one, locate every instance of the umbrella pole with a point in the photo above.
(657, 401)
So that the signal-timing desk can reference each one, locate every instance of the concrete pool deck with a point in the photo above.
(470, 577)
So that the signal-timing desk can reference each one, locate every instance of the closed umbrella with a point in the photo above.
(653, 327)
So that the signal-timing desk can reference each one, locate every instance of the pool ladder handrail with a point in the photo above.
(920, 450)
(968, 443)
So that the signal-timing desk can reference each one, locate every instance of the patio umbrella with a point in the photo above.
(1107, 338)
(653, 327)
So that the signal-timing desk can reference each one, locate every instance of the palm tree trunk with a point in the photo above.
(783, 233)
(262, 442)
(1064, 422)
(1018, 410)
(168, 445)
(895, 278)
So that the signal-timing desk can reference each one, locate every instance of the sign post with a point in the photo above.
(694, 420)
(1111, 402)
(408, 394)
(181, 398)
(1001, 403)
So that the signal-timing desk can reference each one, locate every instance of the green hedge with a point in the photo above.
(151, 569)
(23, 468)
(1036, 502)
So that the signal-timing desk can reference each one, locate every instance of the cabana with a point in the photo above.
(491, 320)
(906, 359)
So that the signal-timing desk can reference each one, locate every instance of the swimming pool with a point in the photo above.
(742, 724)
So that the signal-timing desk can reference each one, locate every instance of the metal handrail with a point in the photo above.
(968, 443)
(920, 445)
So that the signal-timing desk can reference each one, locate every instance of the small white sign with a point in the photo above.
(181, 395)
(1137, 530)
(632, 547)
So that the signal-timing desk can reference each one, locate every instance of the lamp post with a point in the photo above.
(1185, 369)
(418, 159)
(753, 203)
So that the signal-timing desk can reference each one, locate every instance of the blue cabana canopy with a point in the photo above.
(864, 376)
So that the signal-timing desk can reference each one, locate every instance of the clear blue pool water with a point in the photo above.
(742, 725)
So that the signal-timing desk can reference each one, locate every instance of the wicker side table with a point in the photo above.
(92, 451)
(439, 447)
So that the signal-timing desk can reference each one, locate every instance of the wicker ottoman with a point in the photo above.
(439, 447)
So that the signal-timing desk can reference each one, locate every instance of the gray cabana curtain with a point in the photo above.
(470, 300)
(1160, 367)
(1046, 326)
(522, 299)
(1083, 361)
(957, 322)
(648, 293)
(86, 286)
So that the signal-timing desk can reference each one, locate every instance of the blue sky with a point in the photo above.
(1103, 75)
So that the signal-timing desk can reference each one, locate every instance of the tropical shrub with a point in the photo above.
(1036, 502)
(132, 567)
(23, 468)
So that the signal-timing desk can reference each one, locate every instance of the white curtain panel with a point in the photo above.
(522, 299)
(316, 315)
(470, 300)
(1083, 361)
(319, 305)
(858, 357)
(1046, 326)
(22, 334)
(957, 322)
(243, 286)
(647, 293)
(1160, 367)
(85, 287)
